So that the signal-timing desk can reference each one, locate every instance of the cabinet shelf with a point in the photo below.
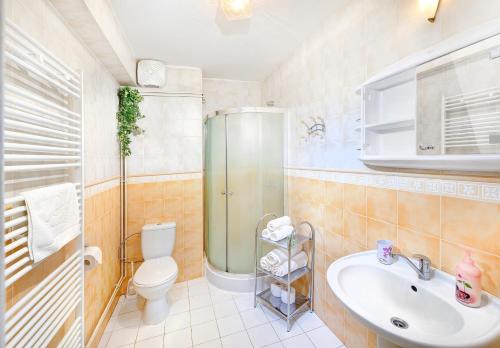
(301, 304)
(391, 126)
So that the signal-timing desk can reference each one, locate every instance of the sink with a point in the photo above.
(406, 311)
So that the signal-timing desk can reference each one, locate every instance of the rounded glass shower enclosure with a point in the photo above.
(243, 180)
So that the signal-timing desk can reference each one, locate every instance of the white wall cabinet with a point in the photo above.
(439, 109)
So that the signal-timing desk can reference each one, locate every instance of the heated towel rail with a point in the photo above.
(42, 145)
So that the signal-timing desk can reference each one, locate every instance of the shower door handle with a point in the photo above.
(227, 193)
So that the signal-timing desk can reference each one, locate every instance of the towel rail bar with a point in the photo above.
(42, 145)
(39, 148)
(34, 98)
(33, 69)
(36, 110)
(21, 125)
(53, 61)
(10, 112)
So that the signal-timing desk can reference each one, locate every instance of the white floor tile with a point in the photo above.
(271, 316)
(262, 335)
(244, 302)
(104, 340)
(211, 344)
(323, 338)
(122, 337)
(179, 306)
(198, 289)
(309, 321)
(196, 281)
(178, 339)
(225, 308)
(200, 301)
(148, 331)
(204, 332)
(111, 324)
(177, 322)
(275, 345)
(131, 319)
(179, 285)
(237, 340)
(230, 325)
(202, 315)
(219, 295)
(279, 327)
(155, 342)
(132, 305)
(253, 317)
(179, 293)
(300, 341)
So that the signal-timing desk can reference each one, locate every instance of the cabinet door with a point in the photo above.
(458, 101)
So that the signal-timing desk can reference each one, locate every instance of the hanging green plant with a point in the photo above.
(128, 114)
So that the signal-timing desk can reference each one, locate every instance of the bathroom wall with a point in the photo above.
(165, 170)
(101, 160)
(222, 94)
(352, 206)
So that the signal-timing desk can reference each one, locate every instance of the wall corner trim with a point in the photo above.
(95, 24)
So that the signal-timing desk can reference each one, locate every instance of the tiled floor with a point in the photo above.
(204, 316)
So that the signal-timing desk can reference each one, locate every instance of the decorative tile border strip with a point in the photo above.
(481, 191)
(100, 187)
(163, 177)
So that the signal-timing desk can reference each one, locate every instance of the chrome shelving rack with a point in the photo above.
(303, 302)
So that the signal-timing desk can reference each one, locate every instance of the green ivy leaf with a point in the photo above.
(128, 114)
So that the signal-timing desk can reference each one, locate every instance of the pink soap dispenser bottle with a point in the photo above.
(468, 285)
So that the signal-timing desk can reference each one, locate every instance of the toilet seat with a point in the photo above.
(157, 271)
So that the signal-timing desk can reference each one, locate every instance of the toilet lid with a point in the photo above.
(156, 271)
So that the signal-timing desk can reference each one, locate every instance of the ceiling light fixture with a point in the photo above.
(429, 8)
(236, 9)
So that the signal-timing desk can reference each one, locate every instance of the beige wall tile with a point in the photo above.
(377, 230)
(355, 228)
(381, 204)
(410, 243)
(355, 198)
(471, 223)
(334, 194)
(419, 212)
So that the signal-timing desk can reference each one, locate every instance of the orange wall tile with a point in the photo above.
(180, 201)
(351, 218)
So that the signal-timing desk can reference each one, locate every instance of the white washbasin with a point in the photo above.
(376, 293)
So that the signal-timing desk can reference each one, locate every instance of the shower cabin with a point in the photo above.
(243, 179)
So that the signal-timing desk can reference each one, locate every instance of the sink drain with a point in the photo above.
(400, 323)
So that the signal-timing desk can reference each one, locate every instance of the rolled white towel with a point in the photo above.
(277, 256)
(298, 261)
(264, 263)
(281, 232)
(276, 290)
(276, 223)
(284, 295)
(265, 233)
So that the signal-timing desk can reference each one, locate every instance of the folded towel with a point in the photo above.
(277, 256)
(298, 261)
(265, 233)
(281, 232)
(264, 263)
(276, 223)
(53, 219)
(276, 289)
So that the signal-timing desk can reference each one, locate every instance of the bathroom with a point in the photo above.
(250, 173)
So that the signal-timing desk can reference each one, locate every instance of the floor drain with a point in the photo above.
(398, 322)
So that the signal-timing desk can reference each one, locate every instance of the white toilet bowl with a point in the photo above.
(152, 281)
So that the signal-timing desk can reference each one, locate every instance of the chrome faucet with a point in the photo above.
(424, 265)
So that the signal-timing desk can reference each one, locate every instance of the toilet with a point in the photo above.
(159, 270)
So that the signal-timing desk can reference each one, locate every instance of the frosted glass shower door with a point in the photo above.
(254, 181)
(215, 188)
